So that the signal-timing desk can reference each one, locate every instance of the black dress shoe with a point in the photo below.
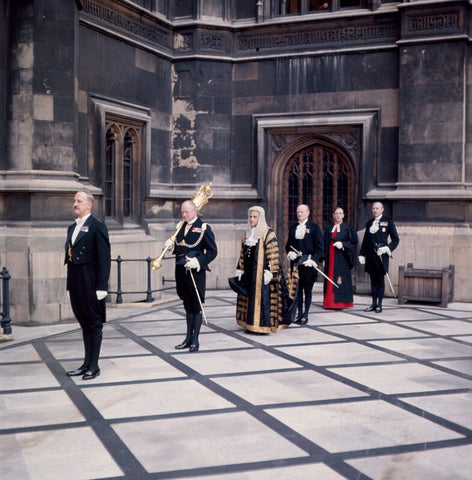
(76, 373)
(194, 348)
(378, 310)
(89, 375)
(303, 320)
(182, 345)
(370, 309)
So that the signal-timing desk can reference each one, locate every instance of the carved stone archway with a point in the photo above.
(347, 139)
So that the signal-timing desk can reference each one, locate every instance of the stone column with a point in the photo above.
(432, 57)
(42, 121)
(39, 173)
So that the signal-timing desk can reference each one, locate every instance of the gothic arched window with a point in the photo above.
(122, 170)
(322, 178)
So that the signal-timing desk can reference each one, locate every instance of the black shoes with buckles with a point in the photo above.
(84, 372)
(193, 347)
(77, 373)
(91, 374)
(302, 319)
(373, 308)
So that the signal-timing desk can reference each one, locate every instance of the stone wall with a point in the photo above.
(434, 247)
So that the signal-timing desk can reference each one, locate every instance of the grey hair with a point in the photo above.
(189, 202)
(88, 196)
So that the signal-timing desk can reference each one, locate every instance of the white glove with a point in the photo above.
(169, 244)
(310, 263)
(383, 250)
(361, 259)
(238, 273)
(267, 277)
(338, 245)
(101, 294)
(292, 256)
(192, 263)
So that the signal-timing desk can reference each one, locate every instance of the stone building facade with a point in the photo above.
(276, 102)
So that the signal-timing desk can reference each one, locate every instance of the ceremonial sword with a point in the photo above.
(198, 295)
(316, 268)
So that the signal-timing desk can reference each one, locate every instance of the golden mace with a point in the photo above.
(199, 199)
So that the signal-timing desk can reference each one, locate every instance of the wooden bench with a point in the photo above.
(426, 284)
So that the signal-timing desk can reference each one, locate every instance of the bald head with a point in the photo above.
(303, 212)
(377, 209)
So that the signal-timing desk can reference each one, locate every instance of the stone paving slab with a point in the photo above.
(352, 395)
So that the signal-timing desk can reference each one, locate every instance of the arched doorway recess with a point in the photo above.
(321, 176)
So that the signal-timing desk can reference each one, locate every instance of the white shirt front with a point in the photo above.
(188, 226)
(79, 222)
(300, 230)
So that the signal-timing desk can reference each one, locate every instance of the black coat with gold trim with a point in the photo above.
(199, 242)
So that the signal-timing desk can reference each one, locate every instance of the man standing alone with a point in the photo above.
(304, 249)
(87, 256)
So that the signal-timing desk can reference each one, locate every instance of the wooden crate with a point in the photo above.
(426, 284)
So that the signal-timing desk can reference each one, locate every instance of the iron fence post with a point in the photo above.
(6, 320)
(149, 297)
(119, 293)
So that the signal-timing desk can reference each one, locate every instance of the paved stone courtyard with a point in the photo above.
(351, 395)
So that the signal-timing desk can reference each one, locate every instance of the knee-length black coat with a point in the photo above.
(343, 260)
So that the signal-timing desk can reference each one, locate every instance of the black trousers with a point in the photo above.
(307, 278)
(89, 312)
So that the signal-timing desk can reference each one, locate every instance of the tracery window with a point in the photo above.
(122, 169)
(321, 178)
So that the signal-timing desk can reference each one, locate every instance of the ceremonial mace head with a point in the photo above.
(202, 195)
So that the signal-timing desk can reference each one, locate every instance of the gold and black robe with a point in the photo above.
(264, 309)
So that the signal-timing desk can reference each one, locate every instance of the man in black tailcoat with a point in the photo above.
(304, 249)
(87, 256)
(194, 249)
(380, 240)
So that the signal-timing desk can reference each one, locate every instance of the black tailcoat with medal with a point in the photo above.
(385, 236)
(310, 244)
(88, 270)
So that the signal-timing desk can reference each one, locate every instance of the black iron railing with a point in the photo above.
(5, 301)
(149, 290)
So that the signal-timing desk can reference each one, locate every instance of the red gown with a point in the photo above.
(329, 294)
